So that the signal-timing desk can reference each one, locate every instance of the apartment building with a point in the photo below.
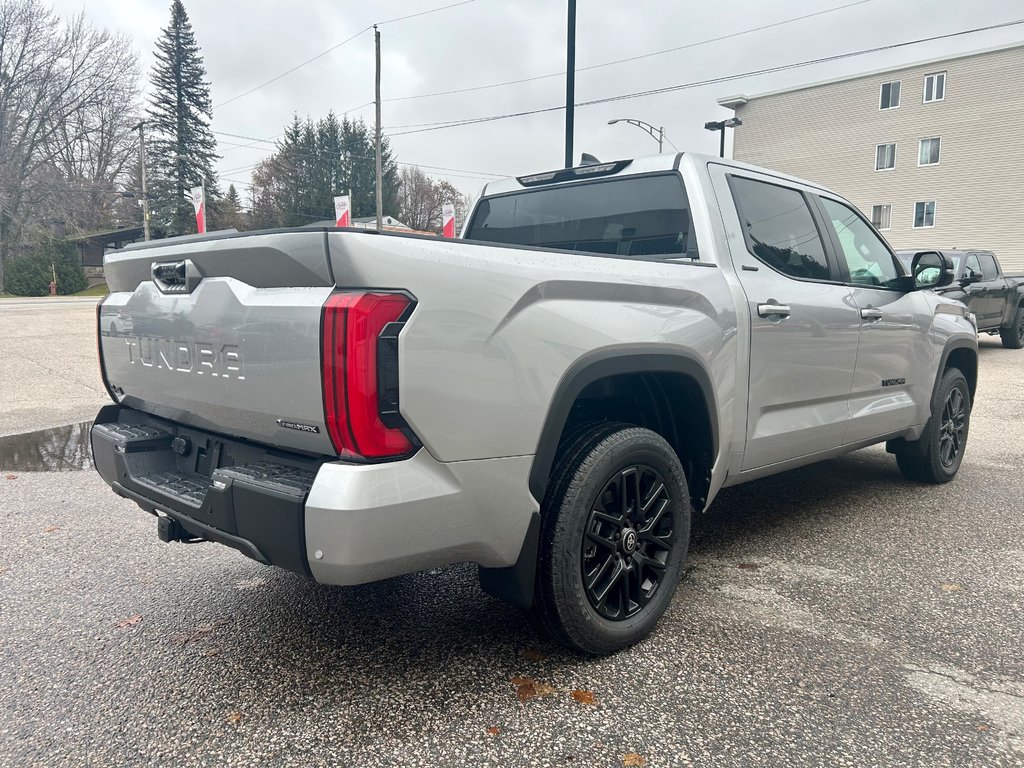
(932, 153)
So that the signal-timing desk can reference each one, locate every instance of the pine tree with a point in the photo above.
(231, 214)
(180, 143)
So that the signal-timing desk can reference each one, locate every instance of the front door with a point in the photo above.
(803, 321)
(893, 379)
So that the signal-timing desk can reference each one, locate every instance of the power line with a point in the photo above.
(425, 127)
(336, 47)
(631, 58)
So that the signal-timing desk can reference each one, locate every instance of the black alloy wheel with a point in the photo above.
(628, 540)
(954, 424)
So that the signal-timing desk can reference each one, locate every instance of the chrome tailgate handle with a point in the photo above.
(175, 276)
(771, 309)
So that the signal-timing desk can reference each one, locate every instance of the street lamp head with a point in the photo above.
(613, 122)
(732, 122)
(713, 125)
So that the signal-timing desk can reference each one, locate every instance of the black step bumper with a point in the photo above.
(249, 497)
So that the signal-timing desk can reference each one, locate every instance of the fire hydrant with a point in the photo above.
(53, 288)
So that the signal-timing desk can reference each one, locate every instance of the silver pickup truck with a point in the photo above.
(550, 397)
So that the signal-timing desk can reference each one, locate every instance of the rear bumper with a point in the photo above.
(337, 522)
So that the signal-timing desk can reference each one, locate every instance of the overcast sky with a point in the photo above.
(247, 42)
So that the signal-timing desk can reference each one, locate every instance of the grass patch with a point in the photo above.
(100, 289)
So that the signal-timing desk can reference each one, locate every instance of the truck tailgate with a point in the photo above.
(234, 347)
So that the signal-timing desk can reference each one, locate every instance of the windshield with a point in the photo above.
(645, 217)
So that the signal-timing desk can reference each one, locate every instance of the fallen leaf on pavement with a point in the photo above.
(951, 588)
(200, 631)
(532, 654)
(585, 697)
(633, 759)
(3, 570)
(527, 688)
(51, 528)
(131, 621)
(983, 727)
(12, 477)
(234, 717)
(493, 730)
(747, 567)
(212, 652)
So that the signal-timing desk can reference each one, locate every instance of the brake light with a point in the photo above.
(352, 325)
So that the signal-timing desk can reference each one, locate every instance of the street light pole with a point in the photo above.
(570, 81)
(720, 126)
(145, 188)
(380, 174)
(658, 134)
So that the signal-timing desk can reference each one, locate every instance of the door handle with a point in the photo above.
(870, 313)
(771, 309)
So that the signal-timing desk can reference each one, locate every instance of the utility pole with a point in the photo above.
(380, 175)
(570, 81)
(145, 188)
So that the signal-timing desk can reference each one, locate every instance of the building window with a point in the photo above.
(934, 87)
(885, 157)
(924, 214)
(881, 216)
(928, 153)
(890, 96)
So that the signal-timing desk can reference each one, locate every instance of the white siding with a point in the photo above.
(828, 133)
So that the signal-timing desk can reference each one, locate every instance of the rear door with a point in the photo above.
(893, 377)
(804, 323)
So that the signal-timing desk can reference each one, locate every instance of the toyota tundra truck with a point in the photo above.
(552, 396)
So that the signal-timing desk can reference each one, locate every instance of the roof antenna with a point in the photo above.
(588, 159)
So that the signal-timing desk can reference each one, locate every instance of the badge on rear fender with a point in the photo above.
(300, 427)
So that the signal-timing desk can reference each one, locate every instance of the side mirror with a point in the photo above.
(931, 269)
(970, 276)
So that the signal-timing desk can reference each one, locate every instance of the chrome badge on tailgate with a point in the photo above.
(224, 361)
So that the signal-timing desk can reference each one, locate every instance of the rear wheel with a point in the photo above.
(1013, 334)
(614, 534)
(945, 437)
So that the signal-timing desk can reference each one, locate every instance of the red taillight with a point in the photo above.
(352, 323)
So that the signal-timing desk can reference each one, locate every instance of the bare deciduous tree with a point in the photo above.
(57, 80)
(420, 200)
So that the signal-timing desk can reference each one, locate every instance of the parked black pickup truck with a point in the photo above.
(997, 300)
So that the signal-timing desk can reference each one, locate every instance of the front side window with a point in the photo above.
(642, 217)
(934, 87)
(972, 267)
(924, 214)
(890, 95)
(867, 258)
(928, 154)
(881, 216)
(885, 157)
(779, 228)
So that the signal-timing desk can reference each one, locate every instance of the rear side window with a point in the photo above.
(988, 266)
(779, 228)
(644, 217)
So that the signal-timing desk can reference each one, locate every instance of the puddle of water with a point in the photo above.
(61, 449)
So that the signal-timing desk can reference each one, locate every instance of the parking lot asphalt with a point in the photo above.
(836, 615)
(49, 375)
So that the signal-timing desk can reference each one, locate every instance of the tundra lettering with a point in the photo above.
(185, 357)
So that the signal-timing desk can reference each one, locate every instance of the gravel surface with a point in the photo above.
(836, 615)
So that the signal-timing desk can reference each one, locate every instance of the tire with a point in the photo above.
(1013, 335)
(945, 436)
(634, 560)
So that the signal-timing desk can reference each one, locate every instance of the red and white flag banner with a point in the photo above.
(199, 204)
(448, 220)
(343, 211)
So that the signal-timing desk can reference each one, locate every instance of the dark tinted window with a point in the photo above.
(639, 217)
(988, 266)
(779, 228)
